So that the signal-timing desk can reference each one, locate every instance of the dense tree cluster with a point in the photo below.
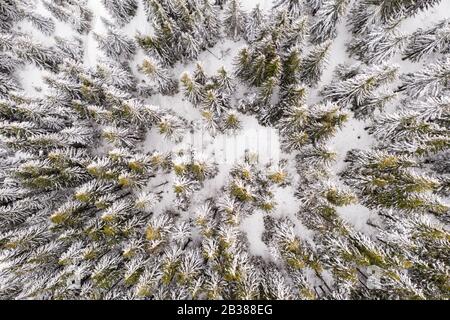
(93, 206)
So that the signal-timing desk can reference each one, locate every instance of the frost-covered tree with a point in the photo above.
(159, 76)
(326, 19)
(70, 48)
(420, 128)
(294, 7)
(432, 80)
(424, 42)
(93, 207)
(84, 195)
(253, 24)
(212, 95)
(314, 5)
(423, 241)
(386, 180)
(314, 62)
(212, 24)
(234, 19)
(116, 45)
(75, 13)
(357, 86)
(367, 13)
(27, 49)
(121, 11)
(14, 11)
(377, 45)
(182, 30)
(302, 125)
(272, 63)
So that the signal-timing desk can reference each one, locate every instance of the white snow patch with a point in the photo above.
(253, 226)
(357, 215)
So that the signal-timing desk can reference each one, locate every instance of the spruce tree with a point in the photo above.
(389, 181)
(253, 24)
(425, 42)
(234, 20)
(356, 86)
(432, 80)
(326, 19)
(313, 64)
(75, 13)
(121, 11)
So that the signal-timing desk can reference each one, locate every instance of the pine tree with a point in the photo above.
(386, 180)
(70, 48)
(234, 20)
(314, 5)
(357, 85)
(326, 19)
(29, 50)
(76, 14)
(44, 24)
(182, 30)
(192, 90)
(96, 193)
(116, 45)
(407, 234)
(425, 42)
(212, 24)
(15, 11)
(10, 13)
(294, 7)
(312, 65)
(91, 207)
(253, 24)
(432, 80)
(301, 126)
(121, 11)
(159, 76)
(418, 130)
(377, 45)
(366, 13)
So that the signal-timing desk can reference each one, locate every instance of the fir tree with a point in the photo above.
(425, 42)
(253, 24)
(431, 80)
(326, 20)
(159, 76)
(121, 11)
(234, 20)
(116, 45)
(386, 180)
(312, 65)
(357, 85)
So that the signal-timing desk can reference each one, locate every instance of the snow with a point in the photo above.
(358, 216)
(253, 226)
(351, 136)
(91, 50)
(30, 77)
